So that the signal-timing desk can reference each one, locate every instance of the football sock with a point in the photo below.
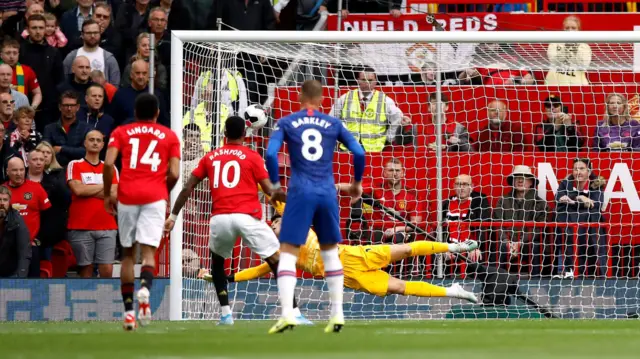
(335, 279)
(146, 277)
(252, 273)
(220, 281)
(127, 296)
(287, 282)
(274, 270)
(425, 248)
(423, 289)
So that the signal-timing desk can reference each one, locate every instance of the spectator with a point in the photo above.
(131, 19)
(143, 53)
(618, 131)
(24, 78)
(466, 205)
(521, 204)
(370, 115)
(496, 65)
(158, 19)
(6, 153)
(7, 105)
(98, 78)
(558, 132)
(53, 223)
(99, 59)
(15, 251)
(11, 8)
(30, 199)
(5, 87)
(72, 20)
(50, 161)
(94, 114)
(14, 26)
(92, 230)
(121, 108)
(579, 200)
(392, 193)
(24, 138)
(78, 81)
(364, 6)
(110, 39)
(67, 135)
(456, 136)
(569, 61)
(179, 16)
(55, 37)
(47, 64)
(500, 135)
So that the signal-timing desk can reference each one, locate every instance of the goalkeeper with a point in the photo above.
(363, 265)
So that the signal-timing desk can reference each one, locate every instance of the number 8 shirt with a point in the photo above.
(234, 172)
(146, 148)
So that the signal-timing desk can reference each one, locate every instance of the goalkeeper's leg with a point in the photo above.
(425, 248)
(424, 289)
(219, 280)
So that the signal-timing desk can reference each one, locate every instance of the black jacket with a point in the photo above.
(258, 15)
(566, 138)
(46, 62)
(78, 88)
(479, 210)
(124, 24)
(53, 222)
(15, 247)
(72, 143)
(179, 17)
(6, 152)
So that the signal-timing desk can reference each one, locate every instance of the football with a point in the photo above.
(255, 117)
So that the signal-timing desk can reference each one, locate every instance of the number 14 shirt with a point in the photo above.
(146, 148)
(234, 172)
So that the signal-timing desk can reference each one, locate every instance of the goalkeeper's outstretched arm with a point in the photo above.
(184, 195)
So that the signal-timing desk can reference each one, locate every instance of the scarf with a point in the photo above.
(20, 78)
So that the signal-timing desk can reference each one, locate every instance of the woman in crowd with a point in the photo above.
(617, 131)
(143, 52)
(569, 62)
(579, 200)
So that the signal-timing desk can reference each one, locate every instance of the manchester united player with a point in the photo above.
(28, 198)
(234, 172)
(150, 167)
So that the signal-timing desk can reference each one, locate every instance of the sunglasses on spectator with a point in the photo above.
(8, 102)
(100, 16)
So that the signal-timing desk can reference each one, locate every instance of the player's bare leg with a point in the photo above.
(425, 248)
(286, 276)
(219, 280)
(424, 289)
(334, 276)
(127, 276)
(146, 281)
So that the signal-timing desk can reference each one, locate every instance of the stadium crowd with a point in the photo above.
(71, 70)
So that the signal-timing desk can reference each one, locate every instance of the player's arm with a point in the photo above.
(271, 160)
(174, 172)
(251, 273)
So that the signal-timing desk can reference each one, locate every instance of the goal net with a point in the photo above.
(525, 142)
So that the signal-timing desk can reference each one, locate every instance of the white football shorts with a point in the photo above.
(142, 224)
(255, 234)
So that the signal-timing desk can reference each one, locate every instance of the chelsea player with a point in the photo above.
(311, 137)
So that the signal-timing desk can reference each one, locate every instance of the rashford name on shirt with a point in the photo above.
(310, 121)
(227, 151)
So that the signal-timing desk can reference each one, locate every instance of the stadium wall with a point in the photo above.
(90, 300)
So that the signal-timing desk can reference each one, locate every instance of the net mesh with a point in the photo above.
(515, 117)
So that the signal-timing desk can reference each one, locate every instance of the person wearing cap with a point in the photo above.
(500, 134)
(579, 200)
(522, 204)
(558, 131)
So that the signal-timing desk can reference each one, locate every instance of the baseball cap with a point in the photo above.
(552, 101)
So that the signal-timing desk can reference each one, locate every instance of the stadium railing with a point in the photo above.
(631, 5)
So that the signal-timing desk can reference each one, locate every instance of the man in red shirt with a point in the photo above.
(150, 167)
(28, 198)
(92, 231)
(405, 201)
(501, 135)
(234, 172)
(24, 78)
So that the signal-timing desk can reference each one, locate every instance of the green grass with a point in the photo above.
(496, 339)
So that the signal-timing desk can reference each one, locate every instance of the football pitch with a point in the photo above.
(478, 339)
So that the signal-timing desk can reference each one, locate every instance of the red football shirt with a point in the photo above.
(30, 199)
(458, 212)
(145, 148)
(88, 213)
(405, 203)
(30, 80)
(234, 172)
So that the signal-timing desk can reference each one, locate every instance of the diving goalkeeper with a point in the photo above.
(363, 265)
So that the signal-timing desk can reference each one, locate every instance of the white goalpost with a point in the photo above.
(546, 256)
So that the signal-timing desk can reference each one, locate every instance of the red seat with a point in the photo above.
(46, 269)
(62, 259)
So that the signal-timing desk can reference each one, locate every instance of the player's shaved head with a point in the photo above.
(234, 128)
(311, 92)
(147, 107)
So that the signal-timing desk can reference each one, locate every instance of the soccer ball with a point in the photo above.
(255, 116)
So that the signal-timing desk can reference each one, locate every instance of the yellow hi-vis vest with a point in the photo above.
(200, 112)
(370, 127)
